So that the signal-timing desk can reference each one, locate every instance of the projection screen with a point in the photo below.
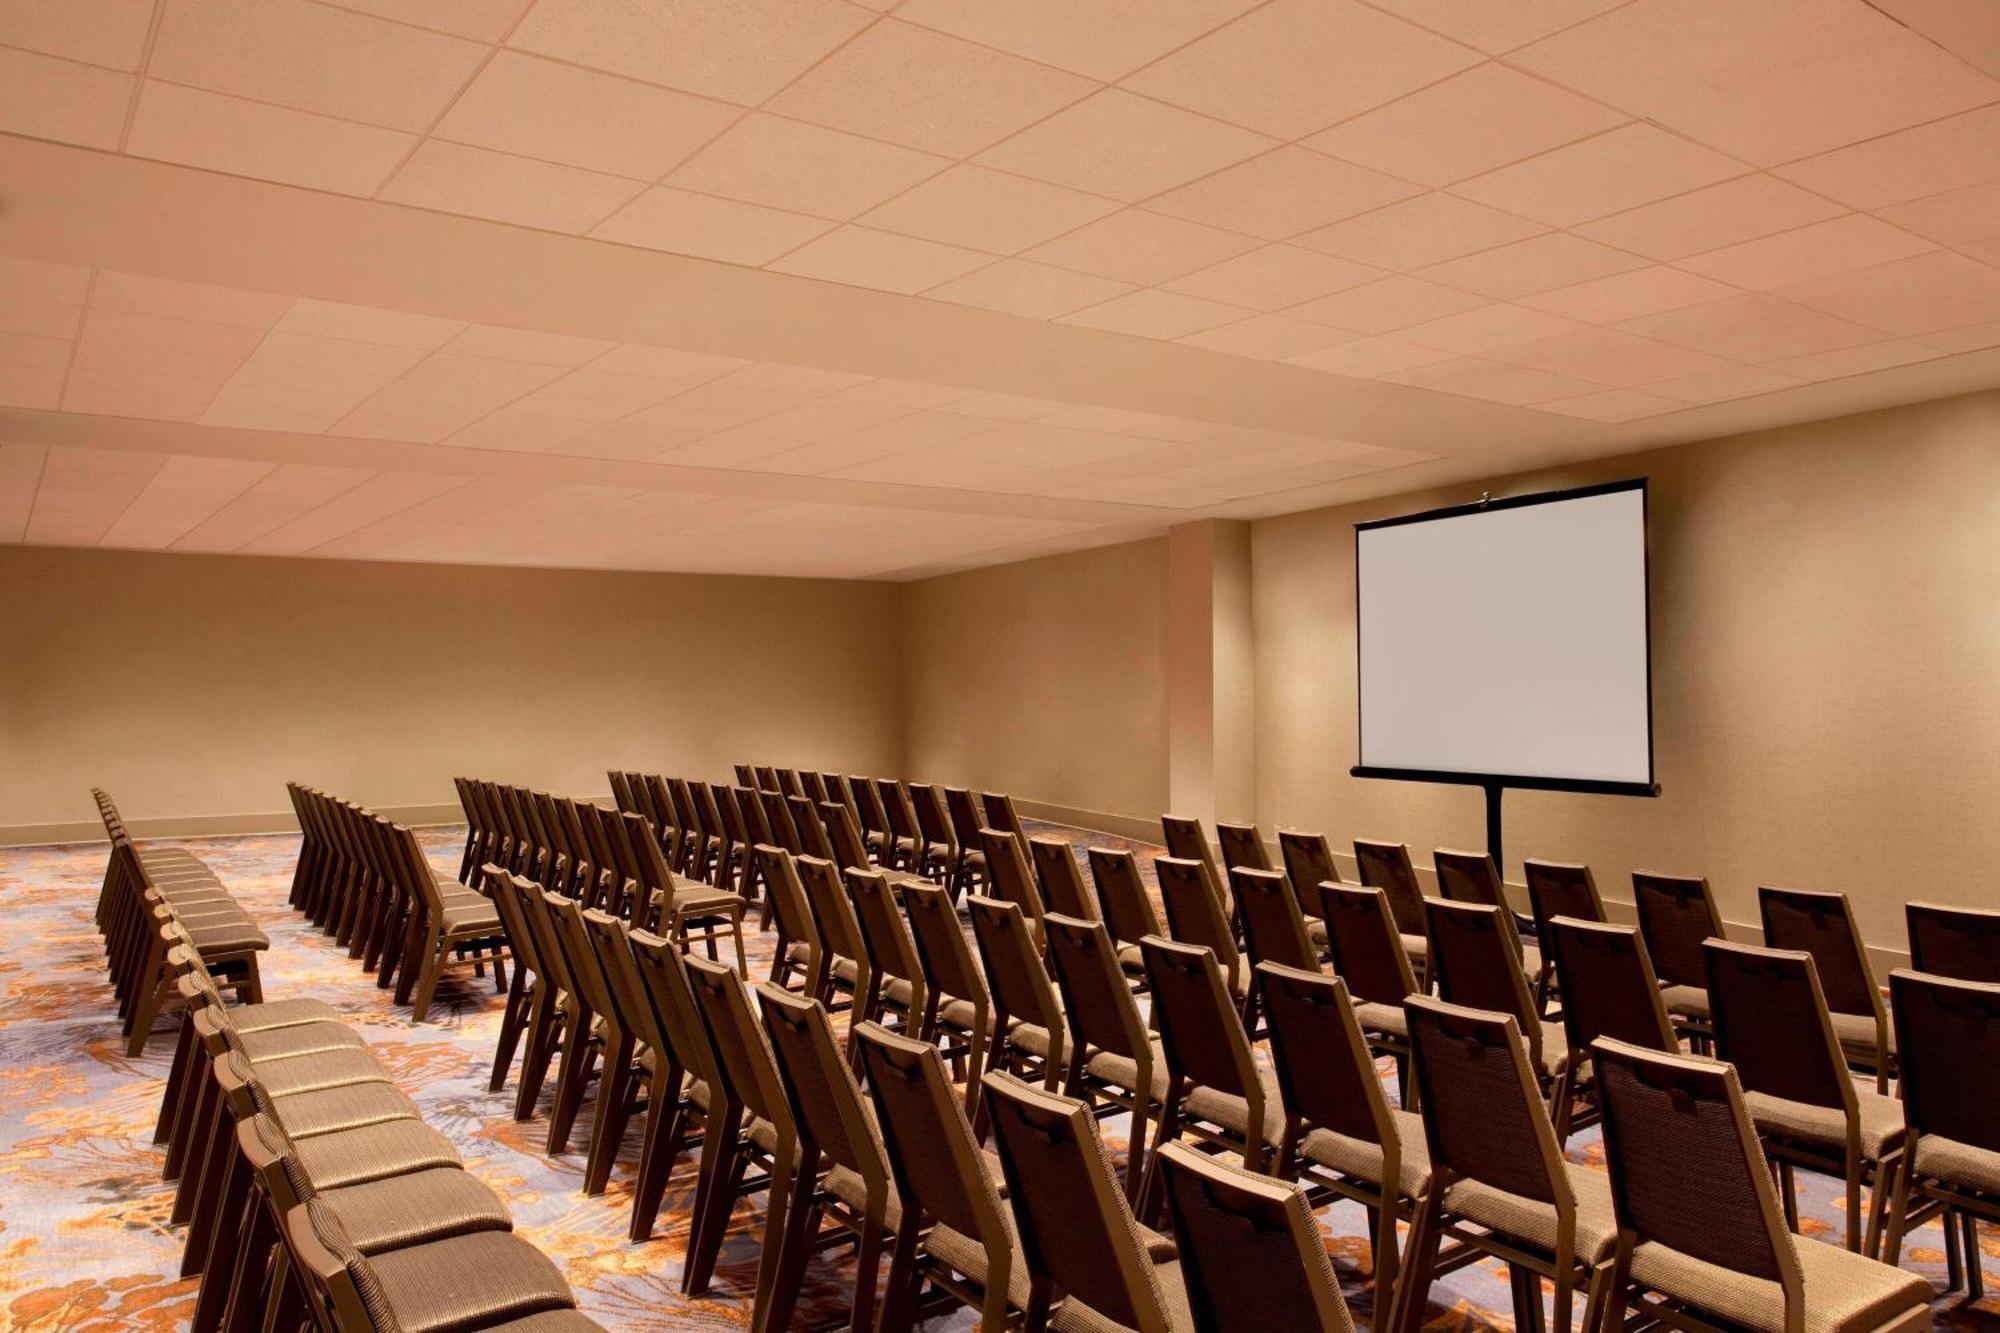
(1507, 642)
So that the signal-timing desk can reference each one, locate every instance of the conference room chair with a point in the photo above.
(1274, 929)
(896, 984)
(1500, 1186)
(600, 1033)
(906, 841)
(653, 1072)
(1387, 866)
(842, 1172)
(1187, 842)
(1216, 1092)
(1822, 924)
(1341, 1137)
(767, 777)
(788, 782)
(704, 838)
(689, 914)
(530, 995)
(746, 775)
(955, 1232)
(1676, 917)
(938, 846)
(1701, 1239)
(1251, 1253)
(874, 822)
(735, 871)
(1242, 847)
(843, 962)
(1476, 963)
(750, 808)
(849, 849)
(1031, 1036)
(798, 952)
(1001, 814)
(1471, 877)
(1086, 1256)
(1196, 915)
(1772, 1023)
(1365, 948)
(1060, 878)
(663, 972)
(778, 818)
(1949, 1036)
(480, 834)
(813, 785)
(813, 837)
(553, 1016)
(1010, 878)
(966, 821)
(961, 1003)
(749, 1121)
(1609, 990)
(1114, 1063)
(1958, 942)
(1124, 906)
(837, 789)
(1558, 888)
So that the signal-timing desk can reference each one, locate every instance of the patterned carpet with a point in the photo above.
(83, 1240)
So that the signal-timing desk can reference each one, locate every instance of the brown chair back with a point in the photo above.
(1677, 916)
(1948, 1036)
(1476, 960)
(1201, 1033)
(1060, 878)
(1122, 901)
(1387, 866)
(1608, 986)
(1016, 977)
(1008, 876)
(1561, 888)
(1468, 877)
(1365, 947)
(1001, 814)
(1274, 930)
(1309, 862)
(1325, 1069)
(1771, 1022)
(1095, 997)
(1194, 913)
(1958, 942)
(1822, 924)
(1482, 1106)
(892, 953)
(1242, 847)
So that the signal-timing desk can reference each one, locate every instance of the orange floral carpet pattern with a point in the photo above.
(84, 1243)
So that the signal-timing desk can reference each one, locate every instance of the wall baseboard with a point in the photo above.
(209, 826)
(1091, 821)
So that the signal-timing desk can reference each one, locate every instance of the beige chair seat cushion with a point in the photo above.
(1030, 1037)
(1844, 1293)
(848, 1186)
(1857, 1034)
(281, 1014)
(690, 903)
(1375, 1016)
(1132, 959)
(1362, 1159)
(375, 1152)
(306, 1115)
(1957, 1163)
(1233, 1112)
(320, 1069)
(1122, 1071)
(1882, 1125)
(468, 1282)
(1555, 1049)
(234, 937)
(466, 918)
(548, 1321)
(1687, 1001)
(299, 1039)
(1073, 1316)
(1418, 947)
(1533, 1221)
(966, 1255)
(416, 1208)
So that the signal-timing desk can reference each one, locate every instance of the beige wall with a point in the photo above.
(1826, 649)
(1045, 679)
(192, 687)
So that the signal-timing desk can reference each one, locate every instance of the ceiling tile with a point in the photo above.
(1295, 66)
(111, 33)
(1738, 210)
(1153, 313)
(370, 502)
(1766, 82)
(1613, 405)
(1469, 377)
(40, 281)
(1949, 154)
(987, 210)
(1020, 287)
(1486, 328)
(20, 474)
(1643, 291)
(83, 492)
(741, 52)
(1282, 193)
(485, 184)
(709, 228)
(185, 491)
(313, 57)
(785, 164)
(1267, 337)
(1473, 122)
(481, 20)
(915, 86)
(32, 369)
(1137, 246)
(1106, 40)
(772, 377)
(538, 108)
(1971, 338)
(664, 363)
(1274, 277)
(201, 129)
(533, 345)
(1535, 265)
(283, 494)
(907, 393)
(864, 257)
(178, 362)
(1039, 445)
(54, 99)
(138, 294)
(442, 394)
(298, 382)
(36, 316)
(1425, 230)
(1496, 28)
(1956, 217)
(369, 324)
(1752, 327)
(1369, 357)
(1815, 251)
(1724, 385)
(1392, 303)
(1926, 294)
(1124, 146)
(1614, 171)
(1606, 356)
(1845, 361)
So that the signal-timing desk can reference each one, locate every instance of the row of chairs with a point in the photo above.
(365, 880)
(148, 889)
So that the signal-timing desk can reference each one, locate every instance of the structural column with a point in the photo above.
(1211, 671)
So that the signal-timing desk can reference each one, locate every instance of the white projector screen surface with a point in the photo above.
(1509, 641)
